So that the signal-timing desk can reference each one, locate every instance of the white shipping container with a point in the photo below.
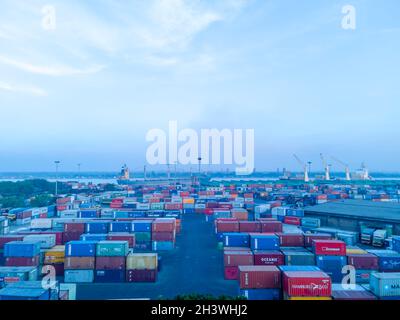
(42, 224)
(69, 214)
(143, 206)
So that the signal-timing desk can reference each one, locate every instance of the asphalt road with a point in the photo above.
(195, 266)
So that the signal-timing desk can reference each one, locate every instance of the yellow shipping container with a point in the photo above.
(356, 251)
(188, 200)
(142, 261)
(55, 255)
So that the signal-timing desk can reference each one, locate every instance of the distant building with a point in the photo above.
(352, 214)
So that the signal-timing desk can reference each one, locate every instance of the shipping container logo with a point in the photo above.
(188, 147)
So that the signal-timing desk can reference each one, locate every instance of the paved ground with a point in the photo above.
(195, 266)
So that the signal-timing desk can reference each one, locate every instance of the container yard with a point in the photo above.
(161, 242)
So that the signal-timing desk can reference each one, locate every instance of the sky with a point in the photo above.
(87, 86)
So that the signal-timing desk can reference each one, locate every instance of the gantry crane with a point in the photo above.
(304, 165)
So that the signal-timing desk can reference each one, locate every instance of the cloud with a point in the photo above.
(49, 71)
(23, 89)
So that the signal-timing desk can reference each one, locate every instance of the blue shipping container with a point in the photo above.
(109, 276)
(163, 245)
(78, 276)
(24, 294)
(299, 268)
(261, 294)
(332, 265)
(396, 243)
(141, 226)
(236, 240)
(264, 242)
(22, 249)
(88, 214)
(389, 262)
(80, 249)
(120, 226)
(97, 227)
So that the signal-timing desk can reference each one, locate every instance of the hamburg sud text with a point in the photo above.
(216, 310)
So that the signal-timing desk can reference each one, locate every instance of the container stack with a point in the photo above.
(260, 282)
(331, 257)
(55, 257)
(141, 229)
(111, 261)
(73, 231)
(233, 258)
(141, 267)
(386, 286)
(80, 261)
(163, 234)
(22, 254)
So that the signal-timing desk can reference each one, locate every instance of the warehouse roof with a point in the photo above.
(358, 209)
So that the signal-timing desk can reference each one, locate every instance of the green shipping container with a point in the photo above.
(112, 248)
(142, 236)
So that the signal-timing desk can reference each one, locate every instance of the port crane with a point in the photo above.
(346, 168)
(306, 178)
(326, 167)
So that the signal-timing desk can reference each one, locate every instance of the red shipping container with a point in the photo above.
(231, 273)
(62, 208)
(238, 258)
(269, 258)
(163, 236)
(79, 263)
(163, 225)
(307, 284)
(207, 212)
(43, 215)
(291, 239)
(9, 238)
(141, 275)
(259, 277)
(293, 221)
(212, 205)
(22, 261)
(123, 237)
(74, 227)
(329, 248)
(173, 206)
(309, 238)
(363, 261)
(227, 226)
(249, 226)
(271, 226)
(71, 236)
(110, 263)
(116, 205)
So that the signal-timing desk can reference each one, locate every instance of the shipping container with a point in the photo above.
(79, 263)
(46, 241)
(93, 237)
(112, 248)
(79, 276)
(142, 261)
(268, 258)
(139, 275)
(363, 261)
(21, 273)
(358, 293)
(249, 226)
(164, 225)
(385, 284)
(329, 247)
(120, 226)
(225, 226)
(80, 249)
(21, 249)
(22, 261)
(299, 258)
(111, 263)
(291, 239)
(309, 284)
(264, 241)
(260, 294)
(236, 240)
(109, 276)
(333, 266)
(163, 245)
(97, 227)
(24, 294)
(271, 226)
(238, 258)
(130, 238)
(259, 277)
